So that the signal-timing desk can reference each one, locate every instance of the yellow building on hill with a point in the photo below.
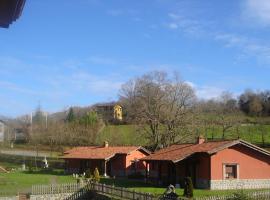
(117, 112)
(111, 112)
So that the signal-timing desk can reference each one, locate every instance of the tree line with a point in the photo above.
(165, 110)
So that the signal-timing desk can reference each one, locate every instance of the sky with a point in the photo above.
(76, 53)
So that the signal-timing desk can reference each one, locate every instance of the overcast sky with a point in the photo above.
(64, 52)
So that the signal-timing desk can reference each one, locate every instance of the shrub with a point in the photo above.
(88, 173)
(30, 166)
(240, 195)
(188, 188)
(96, 175)
(137, 175)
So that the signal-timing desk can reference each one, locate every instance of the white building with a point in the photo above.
(2, 131)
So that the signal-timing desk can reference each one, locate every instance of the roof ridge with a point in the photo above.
(171, 150)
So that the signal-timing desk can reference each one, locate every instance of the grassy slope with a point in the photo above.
(127, 134)
(14, 182)
(121, 135)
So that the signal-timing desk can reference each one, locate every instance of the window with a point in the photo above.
(230, 171)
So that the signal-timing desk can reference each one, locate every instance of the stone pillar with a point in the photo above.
(105, 168)
(146, 170)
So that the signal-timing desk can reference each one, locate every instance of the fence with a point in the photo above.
(79, 190)
(122, 193)
(57, 188)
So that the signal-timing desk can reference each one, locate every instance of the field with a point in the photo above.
(129, 135)
(14, 182)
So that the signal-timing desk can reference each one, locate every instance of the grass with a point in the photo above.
(153, 189)
(121, 135)
(18, 181)
(128, 135)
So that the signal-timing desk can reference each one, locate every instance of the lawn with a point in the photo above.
(149, 188)
(129, 135)
(14, 182)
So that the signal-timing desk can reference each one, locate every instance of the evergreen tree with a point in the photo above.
(188, 189)
(38, 116)
(71, 116)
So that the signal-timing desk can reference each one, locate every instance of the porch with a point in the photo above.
(165, 172)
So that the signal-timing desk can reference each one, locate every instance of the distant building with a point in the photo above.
(110, 111)
(117, 112)
(2, 131)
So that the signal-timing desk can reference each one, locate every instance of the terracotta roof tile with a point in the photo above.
(178, 152)
(98, 152)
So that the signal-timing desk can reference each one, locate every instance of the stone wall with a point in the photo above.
(202, 183)
(68, 196)
(51, 196)
(9, 198)
(239, 184)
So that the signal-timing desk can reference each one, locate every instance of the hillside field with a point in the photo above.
(130, 135)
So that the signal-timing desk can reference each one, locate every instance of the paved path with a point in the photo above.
(30, 153)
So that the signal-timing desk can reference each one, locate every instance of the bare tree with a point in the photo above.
(158, 104)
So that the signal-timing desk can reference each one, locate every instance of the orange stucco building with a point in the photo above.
(110, 160)
(230, 164)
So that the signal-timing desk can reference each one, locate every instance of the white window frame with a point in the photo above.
(224, 170)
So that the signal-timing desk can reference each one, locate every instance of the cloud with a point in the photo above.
(6, 85)
(248, 46)
(206, 91)
(72, 82)
(186, 25)
(100, 60)
(115, 12)
(258, 11)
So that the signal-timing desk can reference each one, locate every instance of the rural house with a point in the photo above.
(109, 111)
(2, 131)
(230, 164)
(110, 160)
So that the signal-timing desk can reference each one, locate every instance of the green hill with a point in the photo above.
(130, 135)
(121, 135)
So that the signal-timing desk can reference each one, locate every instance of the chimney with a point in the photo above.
(200, 139)
(106, 144)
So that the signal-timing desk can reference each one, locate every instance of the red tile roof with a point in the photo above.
(179, 152)
(99, 152)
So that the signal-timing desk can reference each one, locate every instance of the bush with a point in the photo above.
(30, 166)
(188, 188)
(137, 175)
(96, 175)
(88, 173)
(240, 195)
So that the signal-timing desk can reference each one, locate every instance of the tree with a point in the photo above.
(96, 175)
(188, 188)
(71, 116)
(255, 106)
(38, 117)
(158, 105)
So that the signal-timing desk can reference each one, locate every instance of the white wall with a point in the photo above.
(2, 130)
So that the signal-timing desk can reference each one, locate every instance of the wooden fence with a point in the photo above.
(79, 190)
(57, 188)
(120, 192)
